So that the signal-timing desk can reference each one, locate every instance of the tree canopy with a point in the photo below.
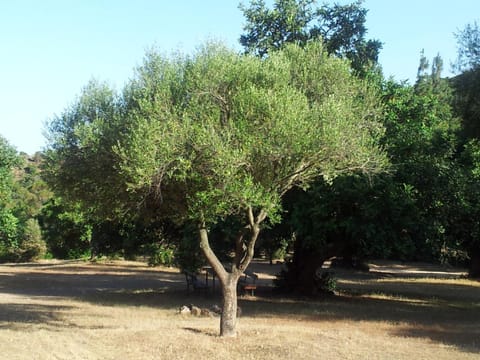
(468, 41)
(218, 134)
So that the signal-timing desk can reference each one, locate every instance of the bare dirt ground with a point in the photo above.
(126, 310)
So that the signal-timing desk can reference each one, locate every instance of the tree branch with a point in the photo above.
(210, 255)
(261, 216)
(290, 179)
(254, 227)
(251, 219)
(250, 248)
(239, 247)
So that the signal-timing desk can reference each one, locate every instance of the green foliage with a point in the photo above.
(28, 246)
(188, 255)
(9, 239)
(467, 106)
(276, 248)
(467, 83)
(270, 29)
(235, 103)
(340, 27)
(466, 102)
(467, 214)
(326, 282)
(65, 230)
(32, 245)
(8, 228)
(214, 136)
(22, 194)
(80, 151)
(161, 254)
(30, 191)
(413, 213)
(422, 138)
(356, 217)
(468, 48)
(281, 250)
(8, 156)
(343, 29)
(8, 161)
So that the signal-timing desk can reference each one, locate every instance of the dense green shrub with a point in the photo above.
(161, 254)
(32, 246)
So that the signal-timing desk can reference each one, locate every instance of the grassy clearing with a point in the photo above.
(82, 311)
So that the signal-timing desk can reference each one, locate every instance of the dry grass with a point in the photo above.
(128, 311)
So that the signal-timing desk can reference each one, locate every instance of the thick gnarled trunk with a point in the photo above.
(302, 274)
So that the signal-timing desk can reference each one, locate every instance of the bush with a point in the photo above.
(7, 254)
(8, 228)
(28, 246)
(274, 248)
(161, 254)
(32, 246)
(65, 230)
(189, 255)
(325, 282)
(281, 251)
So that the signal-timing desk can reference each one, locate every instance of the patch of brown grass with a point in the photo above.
(112, 311)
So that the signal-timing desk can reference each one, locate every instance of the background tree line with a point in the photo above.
(423, 206)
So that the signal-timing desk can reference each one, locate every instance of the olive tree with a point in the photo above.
(231, 134)
(218, 134)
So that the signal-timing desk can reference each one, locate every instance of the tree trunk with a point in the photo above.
(228, 321)
(228, 282)
(244, 250)
(474, 270)
(303, 271)
(304, 281)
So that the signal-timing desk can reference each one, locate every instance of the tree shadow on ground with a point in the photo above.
(103, 266)
(20, 317)
(418, 288)
(77, 283)
(13, 314)
(432, 318)
(444, 313)
(463, 336)
(448, 320)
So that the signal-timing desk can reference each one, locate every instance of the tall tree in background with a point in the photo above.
(81, 139)
(407, 214)
(422, 139)
(219, 135)
(9, 159)
(22, 194)
(341, 28)
(270, 29)
(467, 217)
(467, 83)
(468, 48)
(76, 151)
(467, 106)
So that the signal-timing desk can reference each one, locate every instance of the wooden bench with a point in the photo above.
(248, 282)
(192, 281)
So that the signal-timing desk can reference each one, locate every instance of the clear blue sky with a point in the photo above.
(51, 48)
